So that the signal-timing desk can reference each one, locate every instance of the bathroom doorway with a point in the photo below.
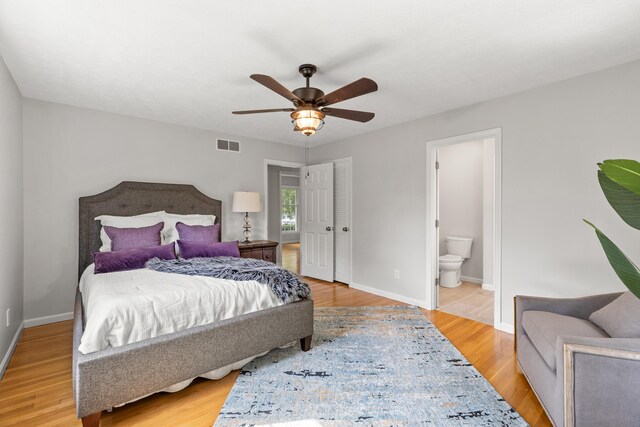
(463, 233)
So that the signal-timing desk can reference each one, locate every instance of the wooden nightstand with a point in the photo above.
(259, 249)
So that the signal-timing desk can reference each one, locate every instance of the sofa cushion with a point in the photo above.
(544, 328)
(620, 317)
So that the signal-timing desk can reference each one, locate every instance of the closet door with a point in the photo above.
(316, 225)
(342, 219)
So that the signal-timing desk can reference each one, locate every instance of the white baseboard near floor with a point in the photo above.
(485, 286)
(11, 349)
(390, 295)
(29, 323)
(506, 327)
(488, 287)
(471, 279)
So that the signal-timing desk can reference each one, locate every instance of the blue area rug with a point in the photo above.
(382, 366)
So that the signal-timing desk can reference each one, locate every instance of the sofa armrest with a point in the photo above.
(581, 307)
(599, 380)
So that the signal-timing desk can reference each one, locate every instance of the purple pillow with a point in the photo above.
(208, 250)
(134, 238)
(198, 233)
(131, 259)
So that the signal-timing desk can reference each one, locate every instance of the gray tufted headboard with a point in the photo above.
(134, 198)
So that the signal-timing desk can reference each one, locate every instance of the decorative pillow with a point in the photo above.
(208, 250)
(620, 317)
(198, 233)
(143, 220)
(134, 238)
(130, 259)
(170, 234)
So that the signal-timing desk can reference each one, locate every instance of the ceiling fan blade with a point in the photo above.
(271, 83)
(352, 90)
(358, 116)
(272, 110)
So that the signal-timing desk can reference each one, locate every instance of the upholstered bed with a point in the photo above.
(117, 375)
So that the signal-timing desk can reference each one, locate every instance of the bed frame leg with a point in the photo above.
(305, 343)
(92, 420)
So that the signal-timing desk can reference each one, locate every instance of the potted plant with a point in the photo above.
(620, 183)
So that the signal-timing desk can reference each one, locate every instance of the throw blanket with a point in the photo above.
(284, 284)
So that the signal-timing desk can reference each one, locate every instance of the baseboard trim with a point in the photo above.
(390, 295)
(488, 287)
(471, 279)
(12, 348)
(506, 327)
(37, 321)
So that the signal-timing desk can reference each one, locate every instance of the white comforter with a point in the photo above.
(131, 306)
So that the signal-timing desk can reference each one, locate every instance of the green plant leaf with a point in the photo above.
(625, 202)
(626, 270)
(623, 172)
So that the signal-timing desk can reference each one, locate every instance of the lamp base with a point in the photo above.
(247, 229)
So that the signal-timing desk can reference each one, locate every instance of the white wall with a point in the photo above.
(461, 205)
(11, 256)
(71, 152)
(553, 137)
(488, 204)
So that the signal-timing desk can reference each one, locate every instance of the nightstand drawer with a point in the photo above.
(260, 249)
(256, 253)
(269, 254)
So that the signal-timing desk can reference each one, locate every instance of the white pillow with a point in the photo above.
(169, 232)
(136, 221)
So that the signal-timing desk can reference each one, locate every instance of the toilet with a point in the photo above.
(458, 249)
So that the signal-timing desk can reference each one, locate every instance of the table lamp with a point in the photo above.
(246, 201)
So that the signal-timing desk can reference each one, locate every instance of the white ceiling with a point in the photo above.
(188, 62)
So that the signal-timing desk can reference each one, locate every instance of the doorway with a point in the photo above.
(282, 192)
(463, 233)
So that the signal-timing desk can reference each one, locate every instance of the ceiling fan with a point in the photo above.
(311, 103)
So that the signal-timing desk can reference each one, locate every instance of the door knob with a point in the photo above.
(345, 229)
(329, 228)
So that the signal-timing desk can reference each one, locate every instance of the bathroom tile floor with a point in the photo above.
(468, 300)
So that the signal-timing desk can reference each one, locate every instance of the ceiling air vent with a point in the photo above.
(226, 145)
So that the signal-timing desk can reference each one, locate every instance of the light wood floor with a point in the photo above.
(291, 257)
(468, 300)
(36, 389)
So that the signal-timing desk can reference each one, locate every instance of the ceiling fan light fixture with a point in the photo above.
(310, 103)
(307, 121)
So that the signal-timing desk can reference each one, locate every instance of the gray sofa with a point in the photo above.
(581, 375)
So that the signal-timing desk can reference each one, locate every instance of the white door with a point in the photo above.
(316, 225)
(342, 219)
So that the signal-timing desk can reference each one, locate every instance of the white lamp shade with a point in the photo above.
(246, 201)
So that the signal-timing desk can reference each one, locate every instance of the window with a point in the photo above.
(289, 209)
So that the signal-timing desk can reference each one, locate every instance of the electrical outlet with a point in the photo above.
(8, 317)
(396, 274)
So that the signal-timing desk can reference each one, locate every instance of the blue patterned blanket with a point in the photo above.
(286, 285)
